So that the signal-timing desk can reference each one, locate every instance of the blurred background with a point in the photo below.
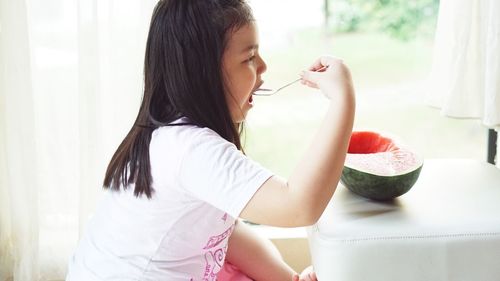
(389, 47)
(71, 84)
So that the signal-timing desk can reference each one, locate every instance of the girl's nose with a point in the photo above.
(262, 65)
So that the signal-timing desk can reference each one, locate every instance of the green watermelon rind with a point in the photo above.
(377, 187)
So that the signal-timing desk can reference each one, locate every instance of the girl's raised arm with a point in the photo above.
(300, 200)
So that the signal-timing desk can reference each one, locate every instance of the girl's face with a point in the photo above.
(242, 67)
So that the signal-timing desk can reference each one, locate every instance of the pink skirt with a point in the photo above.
(230, 272)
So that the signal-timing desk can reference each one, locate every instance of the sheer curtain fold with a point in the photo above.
(89, 74)
(464, 80)
(492, 75)
(20, 245)
(70, 85)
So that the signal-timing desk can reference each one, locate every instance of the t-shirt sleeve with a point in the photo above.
(215, 171)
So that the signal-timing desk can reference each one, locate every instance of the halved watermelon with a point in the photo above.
(378, 167)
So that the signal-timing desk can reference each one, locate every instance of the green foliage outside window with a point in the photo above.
(401, 19)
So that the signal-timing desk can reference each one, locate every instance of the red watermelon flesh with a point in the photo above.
(373, 153)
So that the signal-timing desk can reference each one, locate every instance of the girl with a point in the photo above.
(179, 180)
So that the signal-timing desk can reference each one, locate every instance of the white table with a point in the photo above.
(447, 227)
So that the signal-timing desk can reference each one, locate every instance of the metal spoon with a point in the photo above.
(271, 92)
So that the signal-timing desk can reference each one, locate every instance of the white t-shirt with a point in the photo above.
(201, 184)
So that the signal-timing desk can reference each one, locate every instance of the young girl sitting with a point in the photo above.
(179, 181)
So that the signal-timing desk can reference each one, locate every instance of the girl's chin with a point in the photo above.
(241, 116)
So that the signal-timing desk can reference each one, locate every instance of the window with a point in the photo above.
(389, 51)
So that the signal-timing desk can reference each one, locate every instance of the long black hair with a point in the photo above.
(182, 78)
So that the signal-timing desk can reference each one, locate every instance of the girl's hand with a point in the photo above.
(336, 76)
(306, 275)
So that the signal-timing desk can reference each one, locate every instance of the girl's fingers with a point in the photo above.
(312, 85)
(308, 274)
(324, 61)
(316, 65)
(307, 78)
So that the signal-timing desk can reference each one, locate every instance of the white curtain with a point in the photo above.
(465, 76)
(70, 86)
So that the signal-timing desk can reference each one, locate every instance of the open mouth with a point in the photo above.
(250, 99)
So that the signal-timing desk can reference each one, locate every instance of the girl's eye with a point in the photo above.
(250, 59)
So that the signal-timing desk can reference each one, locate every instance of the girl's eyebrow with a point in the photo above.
(250, 48)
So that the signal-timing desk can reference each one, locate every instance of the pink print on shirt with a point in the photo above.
(214, 262)
(214, 258)
(216, 240)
